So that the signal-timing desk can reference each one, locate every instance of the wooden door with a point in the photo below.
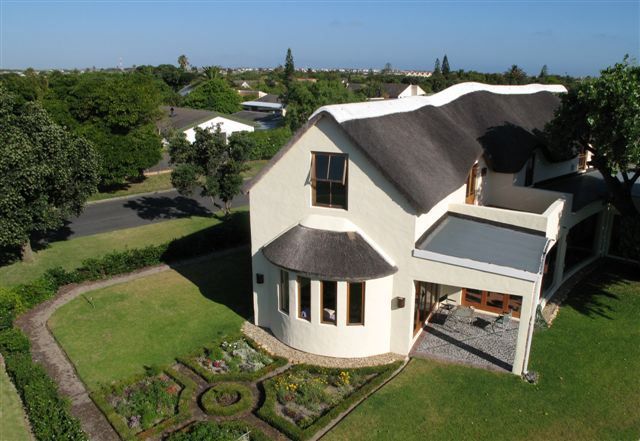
(472, 186)
(425, 301)
(492, 301)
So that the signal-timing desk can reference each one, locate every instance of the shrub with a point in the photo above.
(47, 411)
(226, 431)
(10, 306)
(13, 340)
(268, 142)
(226, 399)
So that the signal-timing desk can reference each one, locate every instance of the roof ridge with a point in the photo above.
(371, 109)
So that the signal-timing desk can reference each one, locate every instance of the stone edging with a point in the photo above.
(46, 351)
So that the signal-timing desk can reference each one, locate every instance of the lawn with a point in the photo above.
(112, 333)
(589, 363)
(149, 184)
(12, 420)
(70, 253)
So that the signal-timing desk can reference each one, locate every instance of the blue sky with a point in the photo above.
(574, 37)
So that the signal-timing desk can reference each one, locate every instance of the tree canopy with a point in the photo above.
(214, 94)
(446, 69)
(46, 173)
(116, 112)
(602, 115)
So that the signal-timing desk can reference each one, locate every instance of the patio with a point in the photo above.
(474, 342)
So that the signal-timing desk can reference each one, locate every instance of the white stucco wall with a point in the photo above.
(227, 126)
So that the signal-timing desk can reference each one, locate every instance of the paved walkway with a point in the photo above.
(45, 349)
(474, 344)
(271, 344)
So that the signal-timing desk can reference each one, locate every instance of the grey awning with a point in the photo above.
(328, 255)
(484, 245)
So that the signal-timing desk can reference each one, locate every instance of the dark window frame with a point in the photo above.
(322, 320)
(344, 182)
(283, 292)
(299, 283)
(362, 303)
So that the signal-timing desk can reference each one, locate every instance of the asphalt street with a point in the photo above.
(136, 211)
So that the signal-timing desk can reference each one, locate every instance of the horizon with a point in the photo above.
(570, 37)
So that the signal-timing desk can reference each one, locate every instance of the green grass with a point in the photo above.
(149, 184)
(589, 389)
(254, 168)
(69, 254)
(13, 426)
(152, 320)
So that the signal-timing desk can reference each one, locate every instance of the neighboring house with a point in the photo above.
(390, 90)
(268, 103)
(186, 120)
(376, 212)
(263, 120)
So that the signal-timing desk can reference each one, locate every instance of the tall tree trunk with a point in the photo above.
(27, 252)
(227, 207)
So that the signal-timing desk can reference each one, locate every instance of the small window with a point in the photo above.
(283, 293)
(304, 298)
(329, 302)
(329, 180)
(355, 303)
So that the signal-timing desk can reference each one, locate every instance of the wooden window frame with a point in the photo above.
(361, 323)
(281, 293)
(471, 192)
(322, 320)
(300, 298)
(482, 306)
(314, 180)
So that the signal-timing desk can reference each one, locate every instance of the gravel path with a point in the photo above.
(271, 344)
(45, 349)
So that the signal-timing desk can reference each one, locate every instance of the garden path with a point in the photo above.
(46, 351)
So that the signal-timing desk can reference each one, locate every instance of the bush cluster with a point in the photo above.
(48, 412)
(269, 413)
(224, 431)
(268, 142)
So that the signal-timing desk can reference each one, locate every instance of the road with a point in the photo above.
(136, 211)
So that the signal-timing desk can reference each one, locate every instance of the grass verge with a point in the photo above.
(149, 184)
(13, 424)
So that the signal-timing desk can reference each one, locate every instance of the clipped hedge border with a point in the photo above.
(210, 377)
(268, 413)
(254, 433)
(211, 407)
(118, 423)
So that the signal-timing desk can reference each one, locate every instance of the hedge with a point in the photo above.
(118, 423)
(47, 411)
(206, 431)
(211, 406)
(211, 377)
(268, 413)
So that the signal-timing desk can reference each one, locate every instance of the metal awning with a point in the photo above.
(484, 245)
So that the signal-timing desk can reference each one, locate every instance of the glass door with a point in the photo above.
(425, 301)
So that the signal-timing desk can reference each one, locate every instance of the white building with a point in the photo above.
(186, 120)
(377, 212)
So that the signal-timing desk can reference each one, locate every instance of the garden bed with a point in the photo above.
(227, 431)
(232, 359)
(226, 399)
(146, 405)
(302, 400)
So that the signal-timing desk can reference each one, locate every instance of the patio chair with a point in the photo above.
(503, 321)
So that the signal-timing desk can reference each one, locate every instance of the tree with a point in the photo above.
(210, 163)
(602, 115)
(387, 69)
(183, 62)
(212, 72)
(445, 66)
(46, 174)
(215, 94)
(544, 72)
(116, 112)
(289, 70)
(436, 67)
(515, 75)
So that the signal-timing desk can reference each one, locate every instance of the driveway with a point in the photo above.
(136, 211)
